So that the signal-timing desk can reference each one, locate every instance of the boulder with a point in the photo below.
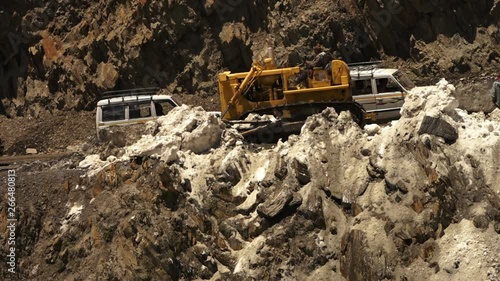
(438, 127)
(275, 205)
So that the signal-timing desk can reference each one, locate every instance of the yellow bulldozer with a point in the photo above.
(268, 90)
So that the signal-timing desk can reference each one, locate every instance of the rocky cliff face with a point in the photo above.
(415, 200)
(60, 55)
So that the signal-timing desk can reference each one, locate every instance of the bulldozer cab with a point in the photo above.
(319, 78)
(334, 76)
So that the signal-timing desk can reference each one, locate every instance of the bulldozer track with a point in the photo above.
(266, 131)
(355, 108)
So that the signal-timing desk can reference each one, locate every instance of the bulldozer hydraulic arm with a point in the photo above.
(245, 84)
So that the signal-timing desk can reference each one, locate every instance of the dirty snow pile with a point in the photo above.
(470, 136)
(456, 150)
(410, 198)
(435, 101)
(183, 129)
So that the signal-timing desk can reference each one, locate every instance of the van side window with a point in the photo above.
(163, 107)
(362, 87)
(113, 113)
(141, 110)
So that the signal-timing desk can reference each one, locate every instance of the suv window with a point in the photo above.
(163, 107)
(385, 85)
(139, 110)
(403, 79)
(113, 113)
(392, 86)
(362, 87)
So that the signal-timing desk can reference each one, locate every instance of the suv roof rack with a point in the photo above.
(365, 63)
(130, 92)
(364, 66)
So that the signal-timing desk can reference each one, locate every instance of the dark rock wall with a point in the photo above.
(77, 49)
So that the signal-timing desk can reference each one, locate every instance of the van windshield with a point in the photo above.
(113, 113)
(404, 80)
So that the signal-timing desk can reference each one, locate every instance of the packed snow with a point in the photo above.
(189, 131)
(332, 154)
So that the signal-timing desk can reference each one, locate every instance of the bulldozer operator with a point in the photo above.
(322, 59)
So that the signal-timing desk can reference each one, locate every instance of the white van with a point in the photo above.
(128, 107)
(381, 91)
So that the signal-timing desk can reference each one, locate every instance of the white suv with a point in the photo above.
(128, 107)
(381, 91)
